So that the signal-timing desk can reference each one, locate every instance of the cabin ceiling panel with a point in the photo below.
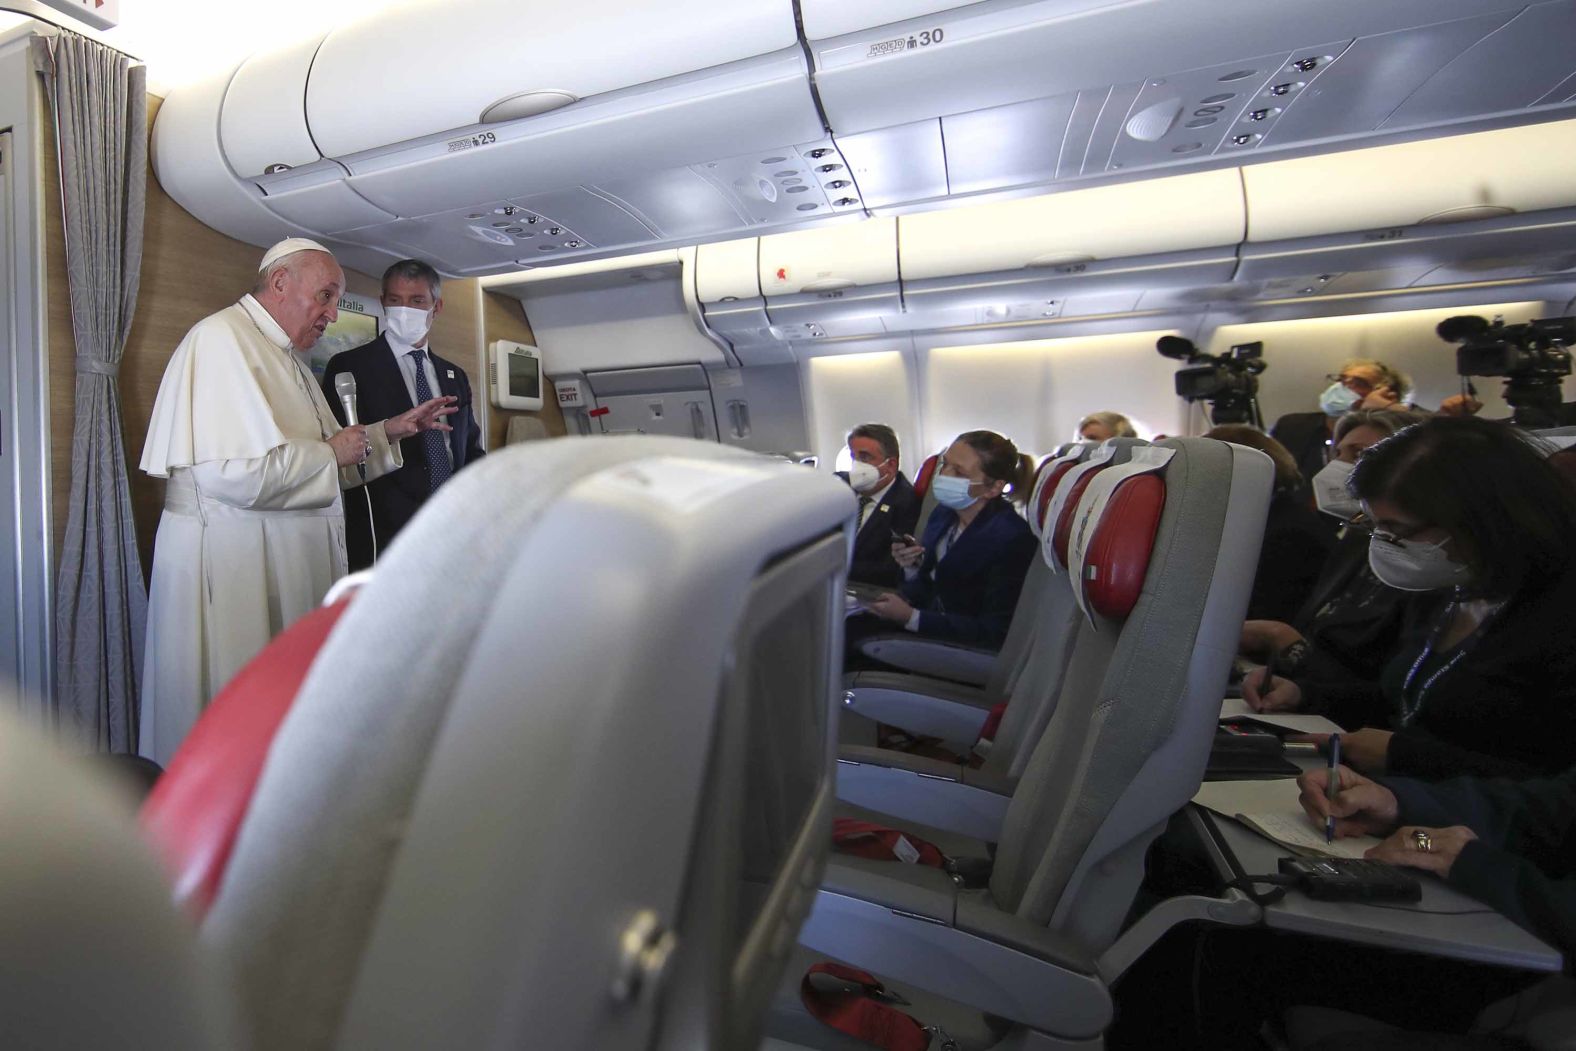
(1513, 68)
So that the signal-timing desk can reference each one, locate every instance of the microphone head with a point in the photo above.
(1461, 327)
(1176, 347)
(345, 385)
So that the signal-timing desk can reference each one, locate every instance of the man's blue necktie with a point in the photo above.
(433, 443)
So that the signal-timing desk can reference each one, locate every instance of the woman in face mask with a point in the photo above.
(961, 581)
(1349, 623)
(1470, 518)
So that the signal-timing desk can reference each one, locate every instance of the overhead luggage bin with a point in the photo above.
(687, 124)
(1467, 177)
(1025, 256)
(502, 60)
(728, 292)
(1314, 219)
(833, 281)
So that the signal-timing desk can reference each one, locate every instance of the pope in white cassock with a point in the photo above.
(253, 530)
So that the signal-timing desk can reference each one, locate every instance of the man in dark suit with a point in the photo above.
(888, 505)
(394, 372)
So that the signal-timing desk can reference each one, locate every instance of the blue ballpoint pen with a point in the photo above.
(1332, 786)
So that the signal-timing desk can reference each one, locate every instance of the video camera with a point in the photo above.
(1229, 382)
(1532, 357)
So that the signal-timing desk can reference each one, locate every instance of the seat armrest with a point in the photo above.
(924, 791)
(915, 890)
(1054, 988)
(919, 704)
(977, 913)
(944, 660)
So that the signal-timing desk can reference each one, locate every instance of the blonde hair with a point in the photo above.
(1119, 426)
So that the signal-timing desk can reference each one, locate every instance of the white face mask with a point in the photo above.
(951, 491)
(863, 477)
(1329, 491)
(406, 326)
(1415, 565)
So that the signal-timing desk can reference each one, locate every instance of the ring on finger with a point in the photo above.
(1422, 841)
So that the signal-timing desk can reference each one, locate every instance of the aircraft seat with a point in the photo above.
(1038, 646)
(92, 952)
(470, 827)
(953, 661)
(1038, 944)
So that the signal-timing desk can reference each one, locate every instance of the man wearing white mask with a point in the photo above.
(1361, 384)
(888, 505)
(253, 531)
(393, 372)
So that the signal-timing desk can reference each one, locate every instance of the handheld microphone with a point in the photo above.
(345, 387)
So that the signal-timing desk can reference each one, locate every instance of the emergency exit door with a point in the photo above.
(674, 400)
(683, 414)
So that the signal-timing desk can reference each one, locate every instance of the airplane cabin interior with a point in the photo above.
(786, 525)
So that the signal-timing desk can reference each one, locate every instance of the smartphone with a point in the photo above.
(903, 538)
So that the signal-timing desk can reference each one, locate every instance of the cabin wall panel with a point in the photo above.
(848, 390)
(1035, 391)
(504, 318)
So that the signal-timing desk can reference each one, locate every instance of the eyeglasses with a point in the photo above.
(1362, 523)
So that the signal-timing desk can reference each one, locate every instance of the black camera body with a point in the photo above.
(1229, 382)
(1532, 358)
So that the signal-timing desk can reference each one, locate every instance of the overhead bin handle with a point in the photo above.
(1060, 259)
(827, 284)
(526, 104)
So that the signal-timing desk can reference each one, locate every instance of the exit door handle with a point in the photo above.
(698, 420)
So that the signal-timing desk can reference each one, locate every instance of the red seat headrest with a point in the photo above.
(195, 810)
(1064, 524)
(927, 470)
(1048, 493)
(1117, 558)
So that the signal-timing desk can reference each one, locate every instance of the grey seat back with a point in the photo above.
(495, 769)
(1057, 633)
(93, 953)
(1129, 739)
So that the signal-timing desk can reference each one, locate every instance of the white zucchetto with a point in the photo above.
(289, 246)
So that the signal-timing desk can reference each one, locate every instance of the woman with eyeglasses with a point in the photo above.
(1470, 516)
(1349, 622)
(961, 581)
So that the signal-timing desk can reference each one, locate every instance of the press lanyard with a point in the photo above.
(1409, 711)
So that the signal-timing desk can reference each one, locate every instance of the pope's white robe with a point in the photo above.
(253, 530)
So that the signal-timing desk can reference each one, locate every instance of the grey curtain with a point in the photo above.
(101, 604)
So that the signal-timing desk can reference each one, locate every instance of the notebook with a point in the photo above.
(1270, 808)
(1237, 710)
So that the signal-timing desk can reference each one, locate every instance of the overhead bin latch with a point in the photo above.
(526, 104)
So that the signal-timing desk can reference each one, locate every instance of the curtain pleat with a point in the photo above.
(101, 603)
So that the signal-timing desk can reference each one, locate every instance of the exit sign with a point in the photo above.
(100, 14)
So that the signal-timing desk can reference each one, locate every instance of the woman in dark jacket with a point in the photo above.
(961, 581)
(1469, 514)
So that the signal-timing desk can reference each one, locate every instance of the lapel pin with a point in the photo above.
(884, 508)
(450, 372)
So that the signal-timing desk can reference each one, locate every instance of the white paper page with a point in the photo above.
(1271, 809)
(1237, 708)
